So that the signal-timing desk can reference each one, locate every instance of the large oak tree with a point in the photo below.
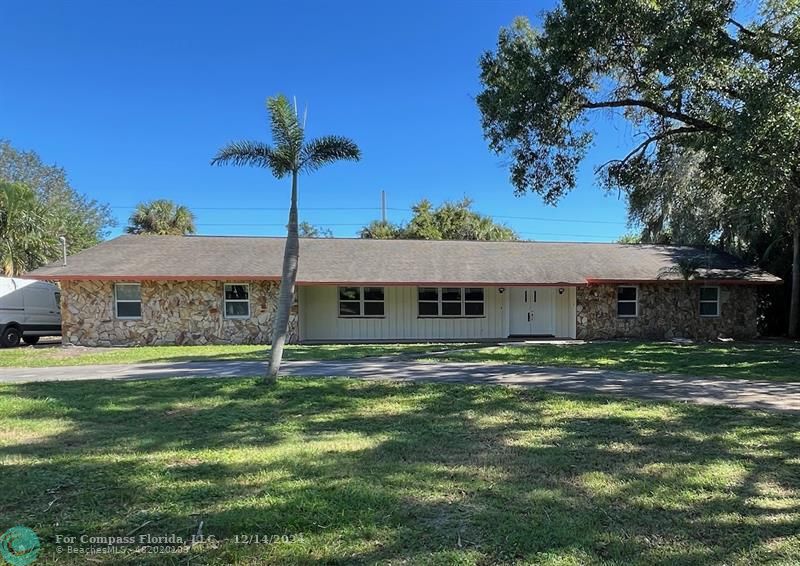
(688, 74)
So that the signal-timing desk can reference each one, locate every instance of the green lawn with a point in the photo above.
(775, 361)
(367, 472)
(55, 355)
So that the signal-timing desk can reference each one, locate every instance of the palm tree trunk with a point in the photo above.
(794, 308)
(291, 254)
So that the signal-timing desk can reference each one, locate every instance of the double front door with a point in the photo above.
(532, 311)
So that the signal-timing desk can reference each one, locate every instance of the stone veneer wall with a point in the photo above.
(173, 312)
(667, 310)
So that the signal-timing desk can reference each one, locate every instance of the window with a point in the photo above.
(237, 300)
(627, 302)
(709, 301)
(473, 301)
(128, 299)
(428, 301)
(361, 301)
(450, 301)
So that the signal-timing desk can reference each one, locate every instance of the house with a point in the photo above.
(218, 289)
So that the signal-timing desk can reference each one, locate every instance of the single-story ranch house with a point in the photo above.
(218, 289)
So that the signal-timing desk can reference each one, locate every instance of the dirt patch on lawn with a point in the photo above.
(64, 352)
(57, 351)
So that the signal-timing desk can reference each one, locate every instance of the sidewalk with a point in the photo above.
(741, 393)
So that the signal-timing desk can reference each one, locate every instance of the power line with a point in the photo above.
(395, 209)
(537, 218)
(542, 219)
(594, 236)
(281, 225)
(280, 208)
(260, 224)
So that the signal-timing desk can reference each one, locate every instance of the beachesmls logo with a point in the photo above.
(19, 546)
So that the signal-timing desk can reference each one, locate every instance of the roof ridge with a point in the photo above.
(357, 239)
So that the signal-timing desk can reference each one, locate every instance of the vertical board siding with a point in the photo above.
(565, 313)
(319, 318)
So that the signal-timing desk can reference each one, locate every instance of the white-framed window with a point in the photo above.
(451, 302)
(709, 302)
(237, 300)
(128, 300)
(361, 302)
(627, 301)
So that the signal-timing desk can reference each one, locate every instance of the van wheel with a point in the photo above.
(10, 337)
(30, 340)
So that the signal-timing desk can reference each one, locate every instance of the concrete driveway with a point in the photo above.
(707, 391)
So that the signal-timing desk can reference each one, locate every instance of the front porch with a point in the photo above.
(331, 313)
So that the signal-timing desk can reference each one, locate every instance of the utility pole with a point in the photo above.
(63, 250)
(383, 207)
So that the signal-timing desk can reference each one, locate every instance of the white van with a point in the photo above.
(29, 309)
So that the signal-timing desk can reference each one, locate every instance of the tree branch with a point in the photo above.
(747, 31)
(741, 27)
(652, 139)
(697, 123)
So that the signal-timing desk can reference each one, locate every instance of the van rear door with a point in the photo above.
(12, 306)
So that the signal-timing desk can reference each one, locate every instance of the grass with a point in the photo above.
(355, 472)
(46, 356)
(775, 361)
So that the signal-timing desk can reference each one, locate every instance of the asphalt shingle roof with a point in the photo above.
(337, 260)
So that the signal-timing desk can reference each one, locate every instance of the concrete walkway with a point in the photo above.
(707, 391)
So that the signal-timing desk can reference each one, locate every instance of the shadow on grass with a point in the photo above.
(777, 361)
(371, 472)
(318, 352)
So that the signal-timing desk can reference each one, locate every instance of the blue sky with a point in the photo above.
(133, 99)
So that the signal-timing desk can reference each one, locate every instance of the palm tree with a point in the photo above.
(289, 155)
(27, 234)
(161, 217)
(381, 230)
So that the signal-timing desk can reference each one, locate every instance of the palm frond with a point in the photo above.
(27, 231)
(327, 149)
(253, 153)
(183, 221)
(162, 217)
(286, 130)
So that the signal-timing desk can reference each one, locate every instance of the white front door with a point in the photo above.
(532, 311)
(520, 316)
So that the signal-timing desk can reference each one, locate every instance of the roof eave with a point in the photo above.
(776, 281)
(300, 282)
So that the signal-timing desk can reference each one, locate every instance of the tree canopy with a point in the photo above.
(162, 217)
(450, 221)
(82, 221)
(718, 97)
(308, 230)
